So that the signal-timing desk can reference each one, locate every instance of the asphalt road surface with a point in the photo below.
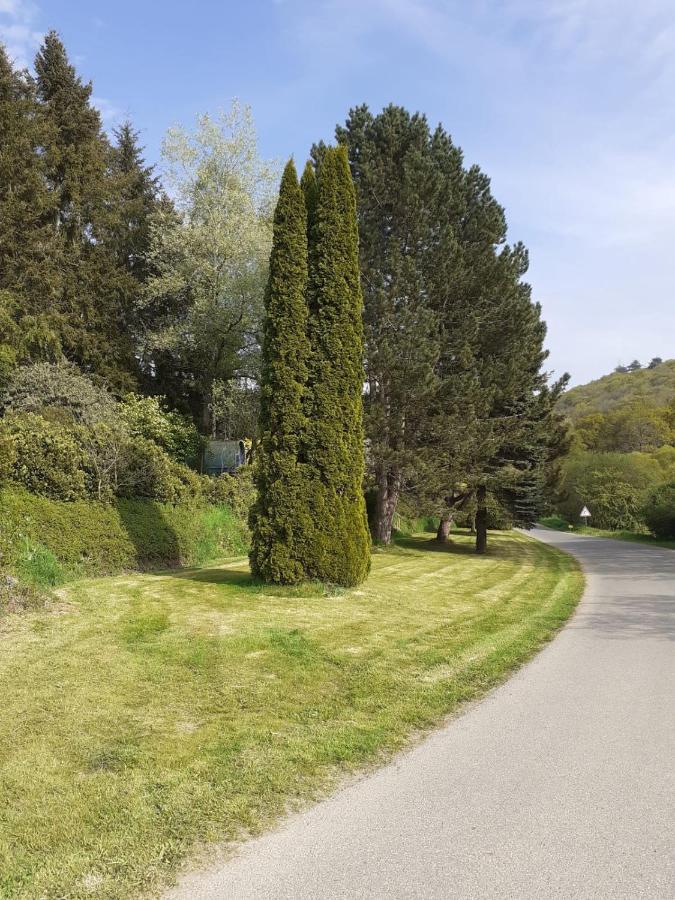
(560, 784)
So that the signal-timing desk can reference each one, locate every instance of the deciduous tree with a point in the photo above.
(209, 264)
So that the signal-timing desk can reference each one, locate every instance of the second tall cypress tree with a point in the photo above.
(280, 519)
(333, 447)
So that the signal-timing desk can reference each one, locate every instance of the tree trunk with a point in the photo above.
(481, 520)
(206, 417)
(388, 487)
(444, 528)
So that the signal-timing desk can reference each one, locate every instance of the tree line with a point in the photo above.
(166, 289)
(150, 290)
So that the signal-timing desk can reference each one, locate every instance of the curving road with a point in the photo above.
(560, 784)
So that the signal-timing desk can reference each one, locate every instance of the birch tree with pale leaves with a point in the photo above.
(209, 258)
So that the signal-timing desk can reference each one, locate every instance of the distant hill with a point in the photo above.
(653, 387)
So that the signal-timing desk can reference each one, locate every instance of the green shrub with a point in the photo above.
(407, 524)
(65, 437)
(611, 485)
(236, 491)
(85, 536)
(7, 455)
(150, 473)
(59, 387)
(147, 417)
(659, 510)
(555, 522)
(46, 457)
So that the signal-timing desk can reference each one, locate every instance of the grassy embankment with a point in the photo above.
(560, 524)
(46, 543)
(144, 715)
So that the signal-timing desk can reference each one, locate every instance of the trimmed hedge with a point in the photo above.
(88, 537)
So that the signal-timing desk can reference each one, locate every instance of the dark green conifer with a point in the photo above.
(137, 198)
(280, 520)
(89, 287)
(308, 185)
(29, 328)
(334, 439)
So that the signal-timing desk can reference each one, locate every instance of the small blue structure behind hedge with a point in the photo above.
(223, 456)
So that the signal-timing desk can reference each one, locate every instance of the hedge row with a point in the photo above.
(48, 541)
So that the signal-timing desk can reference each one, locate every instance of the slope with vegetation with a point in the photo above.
(154, 712)
(90, 485)
(622, 462)
(651, 386)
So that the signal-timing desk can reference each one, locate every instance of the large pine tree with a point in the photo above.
(29, 329)
(334, 438)
(280, 520)
(89, 289)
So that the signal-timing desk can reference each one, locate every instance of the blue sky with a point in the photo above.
(566, 104)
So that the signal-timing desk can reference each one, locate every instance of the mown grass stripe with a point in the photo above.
(153, 713)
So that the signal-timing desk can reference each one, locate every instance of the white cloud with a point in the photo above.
(110, 114)
(17, 30)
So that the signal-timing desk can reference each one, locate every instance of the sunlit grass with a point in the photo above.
(143, 716)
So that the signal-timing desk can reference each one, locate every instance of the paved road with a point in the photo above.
(560, 784)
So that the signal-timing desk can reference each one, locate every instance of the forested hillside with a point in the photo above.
(653, 385)
(622, 460)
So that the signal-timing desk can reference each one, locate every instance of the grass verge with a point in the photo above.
(149, 714)
(560, 524)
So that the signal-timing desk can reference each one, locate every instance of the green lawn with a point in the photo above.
(634, 536)
(144, 716)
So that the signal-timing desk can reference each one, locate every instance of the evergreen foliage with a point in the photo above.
(280, 520)
(454, 343)
(90, 290)
(74, 225)
(28, 324)
(333, 448)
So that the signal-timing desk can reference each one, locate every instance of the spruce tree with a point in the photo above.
(75, 149)
(280, 519)
(334, 437)
(29, 325)
(137, 199)
(88, 287)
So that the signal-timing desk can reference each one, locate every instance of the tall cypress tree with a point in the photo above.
(280, 519)
(308, 185)
(334, 439)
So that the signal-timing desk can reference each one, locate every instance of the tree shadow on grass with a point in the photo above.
(424, 544)
(242, 579)
(237, 577)
(154, 539)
